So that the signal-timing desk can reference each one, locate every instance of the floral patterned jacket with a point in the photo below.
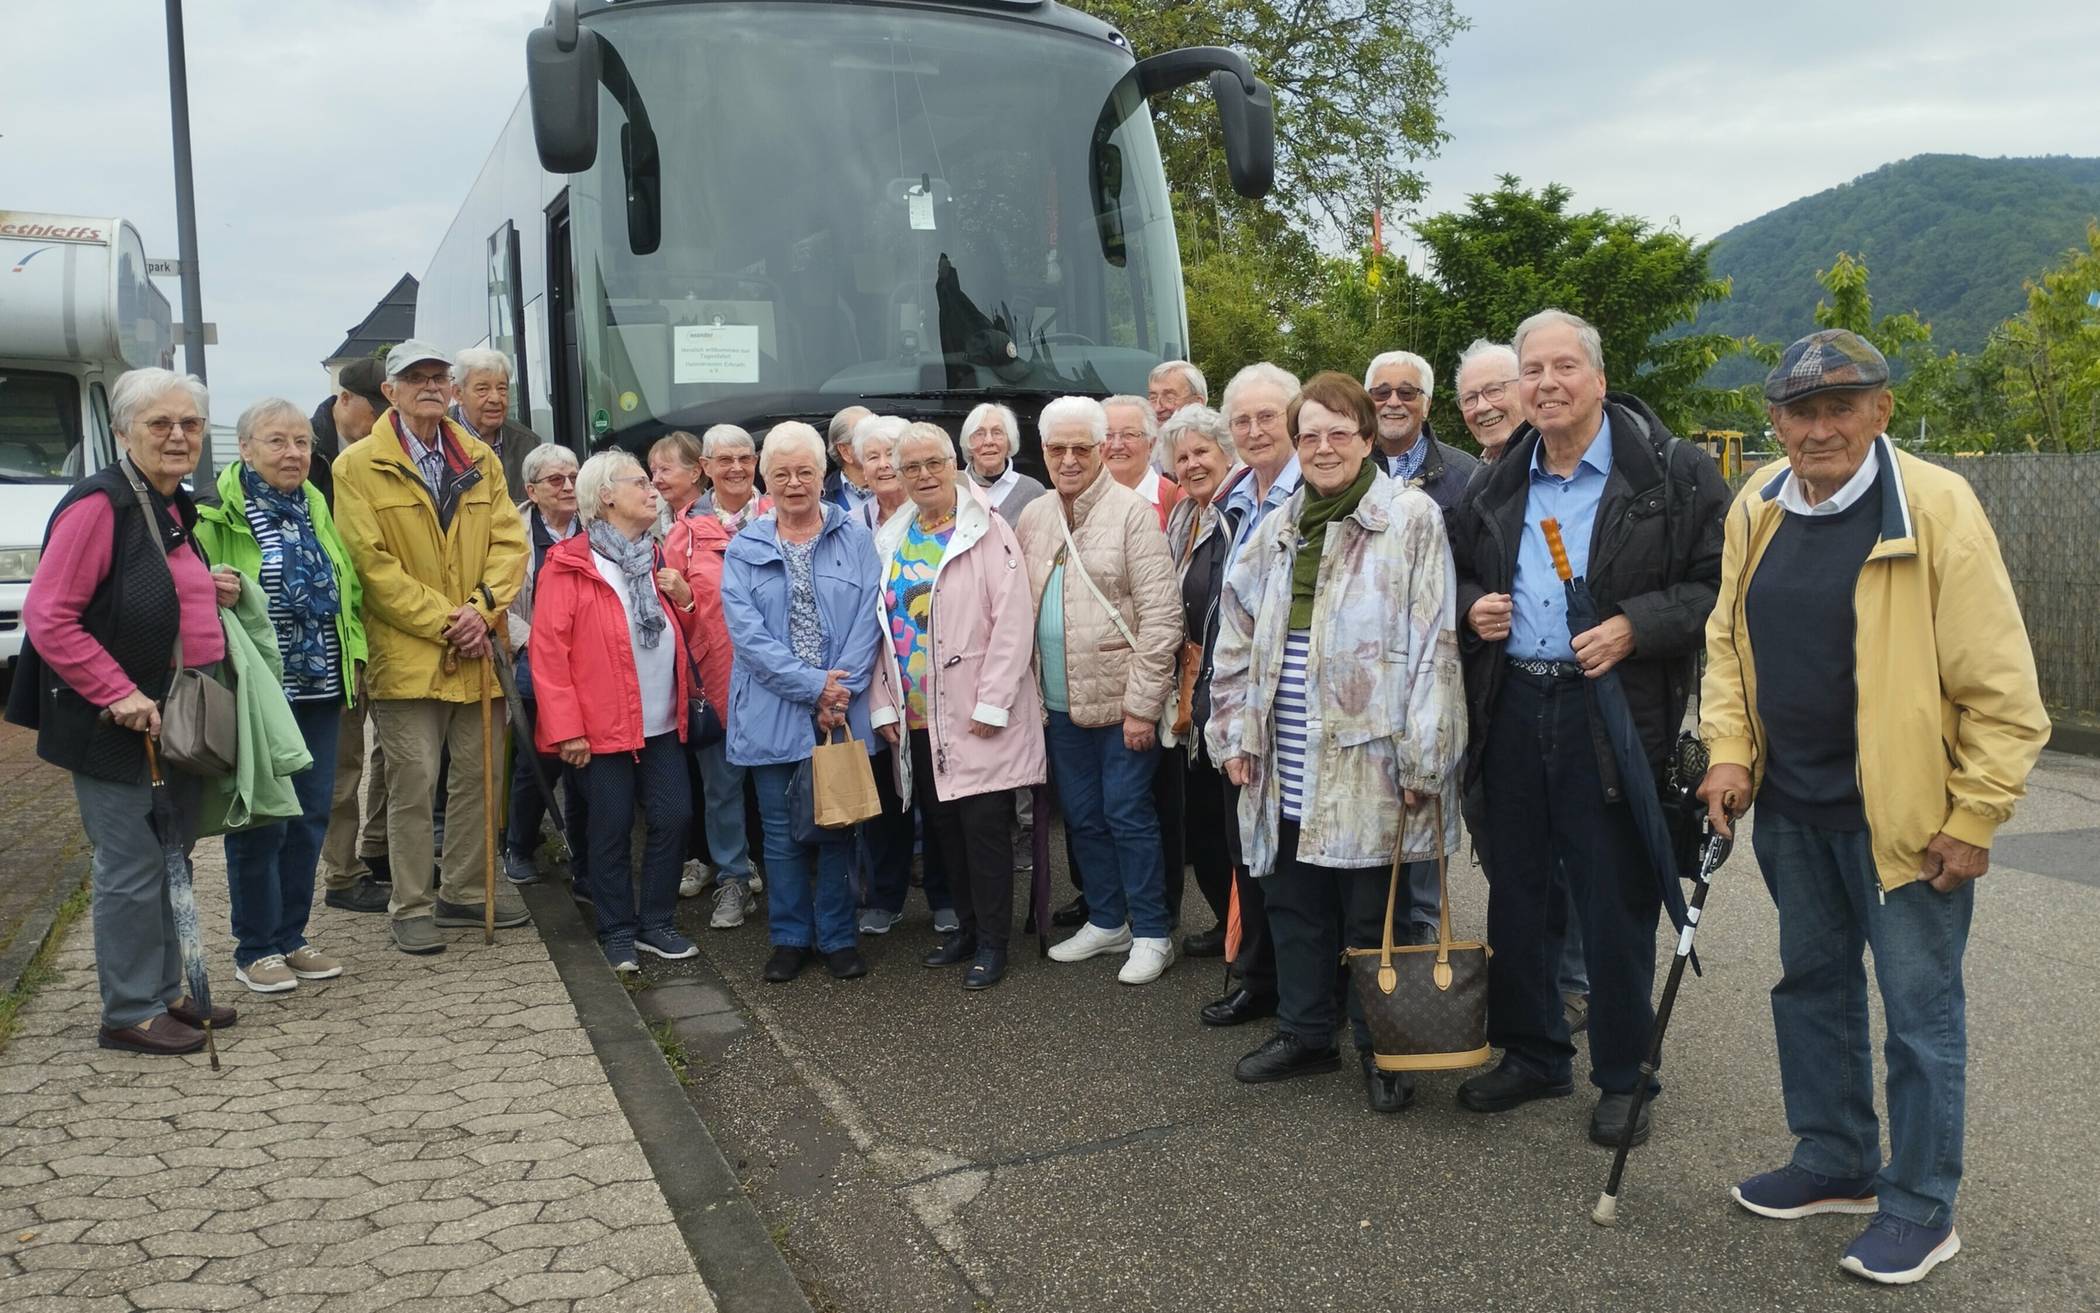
(1386, 707)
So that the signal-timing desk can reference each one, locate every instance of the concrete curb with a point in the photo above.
(2079, 740)
(729, 1244)
(29, 940)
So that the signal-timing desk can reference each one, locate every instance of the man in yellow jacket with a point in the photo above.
(430, 526)
(1869, 685)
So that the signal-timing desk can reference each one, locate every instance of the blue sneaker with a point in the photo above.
(667, 944)
(519, 868)
(619, 955)
(1896, 1253)
(1793, 1192)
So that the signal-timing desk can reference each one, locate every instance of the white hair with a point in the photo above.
(1203, 422)
(539, 458)
(262, 412)
(790, 438)
(137, 388)
(927, 432)
(883, 428)
(479, 360)
(725, 435)
(1425, 379)
(1162, 457)
(1189, 374)
(986, 409)
(1592, 342)
(1261, 371)
(596, 478)
(1482, 349)
(1073, 410)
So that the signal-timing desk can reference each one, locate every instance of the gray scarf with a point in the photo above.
(637, 561)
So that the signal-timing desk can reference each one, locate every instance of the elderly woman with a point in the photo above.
(875, 447)
(678, 469)
(122, 593)
(1106, 632)
(609, 671)
(799, 597)
(1199, 537)
(550, 519)
(731, 461)
(1336, 709)
(273, 526)
(992, 437)
(1133, 453)
(955, 692)
(481, 380)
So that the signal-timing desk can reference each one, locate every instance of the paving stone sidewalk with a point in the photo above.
(420, 1133)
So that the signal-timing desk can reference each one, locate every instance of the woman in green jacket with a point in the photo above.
(274, 526)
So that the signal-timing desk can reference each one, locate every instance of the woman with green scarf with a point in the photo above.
(1336, 708)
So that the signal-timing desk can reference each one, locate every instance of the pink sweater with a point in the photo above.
(71, 568)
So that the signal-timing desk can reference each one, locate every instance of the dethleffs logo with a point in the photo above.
(45, 230)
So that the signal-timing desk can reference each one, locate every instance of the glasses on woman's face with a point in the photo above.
(1407, 392)
(160, 426)
(558, 480)
(1339, 439)
(919, 467)
(793, 476)
(1266, 420)
(634, 481)
(279, 444)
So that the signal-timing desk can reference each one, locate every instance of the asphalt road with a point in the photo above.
(1067, 1143)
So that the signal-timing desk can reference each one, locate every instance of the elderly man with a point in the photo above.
(1487, 396)
(1400, 383)
(845, 486)
(1108, 624)
(341, 419)
(481, 385)
(1640, 514)
(427, 516)
(1869, 685)
(1173, 384)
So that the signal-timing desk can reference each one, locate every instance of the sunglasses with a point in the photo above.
(1407, 392)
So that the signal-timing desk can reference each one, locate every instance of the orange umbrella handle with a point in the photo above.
(1558, 548)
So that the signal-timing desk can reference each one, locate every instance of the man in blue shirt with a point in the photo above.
(1641, 517)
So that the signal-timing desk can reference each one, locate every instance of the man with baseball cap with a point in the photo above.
(343, 417)
(433, 532)
(1870, 687)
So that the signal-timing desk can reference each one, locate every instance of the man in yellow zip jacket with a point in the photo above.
(1869, 685)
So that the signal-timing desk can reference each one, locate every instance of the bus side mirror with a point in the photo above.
(561, 77)
(1246, 111)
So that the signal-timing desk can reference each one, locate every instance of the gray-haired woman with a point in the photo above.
(992, 437)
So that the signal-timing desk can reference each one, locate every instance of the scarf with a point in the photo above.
(637, 562)
(308, 598)
(1314, 515)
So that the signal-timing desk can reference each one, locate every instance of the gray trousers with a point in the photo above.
(138, 959)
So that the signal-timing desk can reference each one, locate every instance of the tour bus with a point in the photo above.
(76, 310)
(759, 210)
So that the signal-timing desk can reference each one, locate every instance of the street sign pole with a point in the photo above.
(186, 219)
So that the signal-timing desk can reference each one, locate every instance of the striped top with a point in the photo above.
(271, 543)
(1290, 722)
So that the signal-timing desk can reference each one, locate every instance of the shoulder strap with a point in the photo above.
(1072, 555)
(153, 531)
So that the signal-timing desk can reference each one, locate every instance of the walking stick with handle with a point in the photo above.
(488, 804)
(1712, 853)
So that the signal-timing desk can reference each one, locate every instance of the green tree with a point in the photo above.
(2051, 355)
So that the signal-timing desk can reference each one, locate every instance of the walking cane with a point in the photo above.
(1712, 853)
(488, 804)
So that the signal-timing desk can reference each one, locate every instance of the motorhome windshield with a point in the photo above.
(795, 206)
(40, 430)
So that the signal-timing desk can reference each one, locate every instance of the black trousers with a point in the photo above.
(886, 843)
(974, 838)
(1552, 830)
(1255, 964)
(1204, 822)
(1315, 912)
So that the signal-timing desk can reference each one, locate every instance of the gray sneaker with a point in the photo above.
(946, 922)
(733, 902)
(510, 911)
(419, 934)
(876, 921)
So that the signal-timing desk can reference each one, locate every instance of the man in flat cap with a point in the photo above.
(1869, 686)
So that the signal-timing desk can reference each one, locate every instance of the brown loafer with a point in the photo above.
(164, 1034)
(184, 1010)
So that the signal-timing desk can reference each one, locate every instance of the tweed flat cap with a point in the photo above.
(1826, 360)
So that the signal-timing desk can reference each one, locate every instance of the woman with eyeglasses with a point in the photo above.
(273, 526)
(1134, 456)
(549, 472)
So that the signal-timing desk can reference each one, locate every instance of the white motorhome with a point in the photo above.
(76, 310)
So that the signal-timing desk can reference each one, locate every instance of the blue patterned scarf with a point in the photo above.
(308, 599)
(636, 559)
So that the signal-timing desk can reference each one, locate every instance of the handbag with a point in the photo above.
(198, 729)
(1188, 665)
(703, 725)
(1425, 1004)
(842, 784)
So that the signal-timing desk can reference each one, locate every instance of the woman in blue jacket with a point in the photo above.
(799, 597)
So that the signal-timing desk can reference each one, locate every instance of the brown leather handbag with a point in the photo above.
(1426, 1004)
(1189, 665)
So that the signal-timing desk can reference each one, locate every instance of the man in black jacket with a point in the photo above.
(1641, 516)
(1400, 383)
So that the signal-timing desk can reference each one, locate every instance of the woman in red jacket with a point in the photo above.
(609, 638)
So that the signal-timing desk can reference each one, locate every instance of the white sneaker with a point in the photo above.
(1149, 960)
(267, 975)
(1092, 941)
(697, 876)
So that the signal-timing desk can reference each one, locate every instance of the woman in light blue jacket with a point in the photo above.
(799, 597)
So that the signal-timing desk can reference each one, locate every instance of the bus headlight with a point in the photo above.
(18, 562)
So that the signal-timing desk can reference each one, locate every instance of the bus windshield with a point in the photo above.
(796, 206)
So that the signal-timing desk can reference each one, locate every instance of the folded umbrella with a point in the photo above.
(182, 897)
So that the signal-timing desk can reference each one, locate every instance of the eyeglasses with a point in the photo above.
(784, 478)
(1066, 451)
(160, 426)
(559, 480)
(1335, 438)
(919, 467)
(279, 445)
(1491, 393)
(421, 379)
(1267, 419)
(635, 481)
(1407, 392)
(1125, 435)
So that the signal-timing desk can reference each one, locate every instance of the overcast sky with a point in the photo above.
(331, 155)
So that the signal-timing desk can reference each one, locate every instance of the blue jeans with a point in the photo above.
(1107, 794)
(613, 786)
(809, 887)
(723, 785)
(1831, 907)
(270, 869)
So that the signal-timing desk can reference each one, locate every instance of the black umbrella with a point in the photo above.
(1636, 774)
(182, 897)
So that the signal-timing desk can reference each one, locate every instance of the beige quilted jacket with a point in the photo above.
(1126, 554)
